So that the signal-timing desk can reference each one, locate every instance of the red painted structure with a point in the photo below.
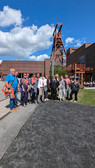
(58, 48)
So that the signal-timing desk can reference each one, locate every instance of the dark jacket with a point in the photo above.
(75, 87)
(53, 84)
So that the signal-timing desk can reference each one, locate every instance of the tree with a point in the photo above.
(58, 70)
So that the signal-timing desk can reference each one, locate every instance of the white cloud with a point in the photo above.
(10, 16)
(69, 40)
(78, 44)
(0, 61)
(22, 42)
(38, 58)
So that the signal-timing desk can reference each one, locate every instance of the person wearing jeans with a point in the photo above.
(12, 80)
(68, 84)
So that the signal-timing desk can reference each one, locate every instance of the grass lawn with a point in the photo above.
(85, 96)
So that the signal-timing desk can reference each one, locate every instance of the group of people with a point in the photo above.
(89, 84)
(36, 88)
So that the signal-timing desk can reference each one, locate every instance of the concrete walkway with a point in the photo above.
(89, 87)
(4, 106)
(12, 123)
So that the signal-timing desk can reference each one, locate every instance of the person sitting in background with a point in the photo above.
(85, 84)
(62, 88)
(93, 83)
(74, 90)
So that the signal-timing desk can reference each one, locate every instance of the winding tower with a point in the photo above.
(58, 49)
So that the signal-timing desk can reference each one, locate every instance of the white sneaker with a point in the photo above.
(45, 100)
(71, 100)
(75, 101)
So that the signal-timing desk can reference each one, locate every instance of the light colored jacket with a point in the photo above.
(40, 84)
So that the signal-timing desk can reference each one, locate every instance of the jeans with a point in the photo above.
(67, 92)
(13, 102)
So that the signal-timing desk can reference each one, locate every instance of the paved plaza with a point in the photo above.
(56, 135)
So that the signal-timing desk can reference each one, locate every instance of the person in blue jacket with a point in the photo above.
(12, 79)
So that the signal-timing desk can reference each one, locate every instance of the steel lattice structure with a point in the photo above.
(58, 49)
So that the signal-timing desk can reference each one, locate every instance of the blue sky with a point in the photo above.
(77, 16)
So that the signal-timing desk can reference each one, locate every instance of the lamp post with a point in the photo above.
(52, 58)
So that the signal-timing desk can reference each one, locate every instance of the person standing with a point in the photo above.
(41, 84)
(68, 85)
(32, 83)
(62, 87)
(16, 74)
(12, 80)
(74, 90)
(53, 88)
(35, 87)
(24, 85)
(47, 88)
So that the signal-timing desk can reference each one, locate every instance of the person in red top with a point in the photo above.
(68, 85)
(24, 93)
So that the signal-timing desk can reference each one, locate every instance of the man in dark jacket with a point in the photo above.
(53, 87)
(74, 90)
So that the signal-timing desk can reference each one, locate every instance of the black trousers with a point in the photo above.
(33, 97)
(75, 93)
(53, 94)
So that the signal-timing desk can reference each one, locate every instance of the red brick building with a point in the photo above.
(30, 67)
(83, 56)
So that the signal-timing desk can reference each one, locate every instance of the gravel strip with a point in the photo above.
(57, 135)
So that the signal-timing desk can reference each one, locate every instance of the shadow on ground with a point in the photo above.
(57, 135)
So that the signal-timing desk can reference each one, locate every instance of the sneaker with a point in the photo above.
(71, 100)
(75, 101)
(13, 110)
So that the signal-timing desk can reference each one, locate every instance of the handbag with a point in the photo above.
(6, 92)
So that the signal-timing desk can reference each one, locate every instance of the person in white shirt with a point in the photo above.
(41, 84)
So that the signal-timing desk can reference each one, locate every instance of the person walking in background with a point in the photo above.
(12, 80)
(68, 85)
(74, 90)
(62, 88)
(53, 88)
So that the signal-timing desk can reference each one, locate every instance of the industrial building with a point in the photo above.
(82, 61)
(30, 67)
